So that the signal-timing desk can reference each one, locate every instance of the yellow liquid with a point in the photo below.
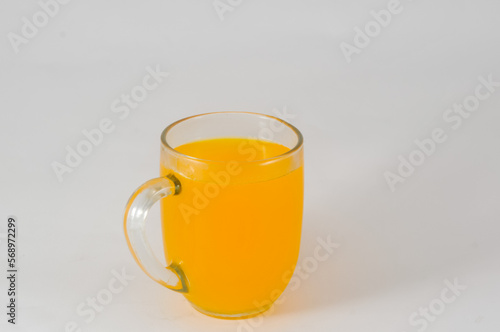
(236, 238)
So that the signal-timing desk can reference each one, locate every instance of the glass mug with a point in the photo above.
(231, 193)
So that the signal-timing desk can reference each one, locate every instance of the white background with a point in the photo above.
(397, 248)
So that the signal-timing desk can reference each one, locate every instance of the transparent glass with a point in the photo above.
(231, 226)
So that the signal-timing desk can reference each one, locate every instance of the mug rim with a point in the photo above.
(300, 138)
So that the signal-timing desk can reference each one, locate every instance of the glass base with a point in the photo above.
(243, 315)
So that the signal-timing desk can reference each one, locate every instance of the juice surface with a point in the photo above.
(235, 234)
(227, 149)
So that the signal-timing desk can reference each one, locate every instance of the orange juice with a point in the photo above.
(234, 229)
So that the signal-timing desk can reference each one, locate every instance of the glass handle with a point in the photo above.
(136, 212)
